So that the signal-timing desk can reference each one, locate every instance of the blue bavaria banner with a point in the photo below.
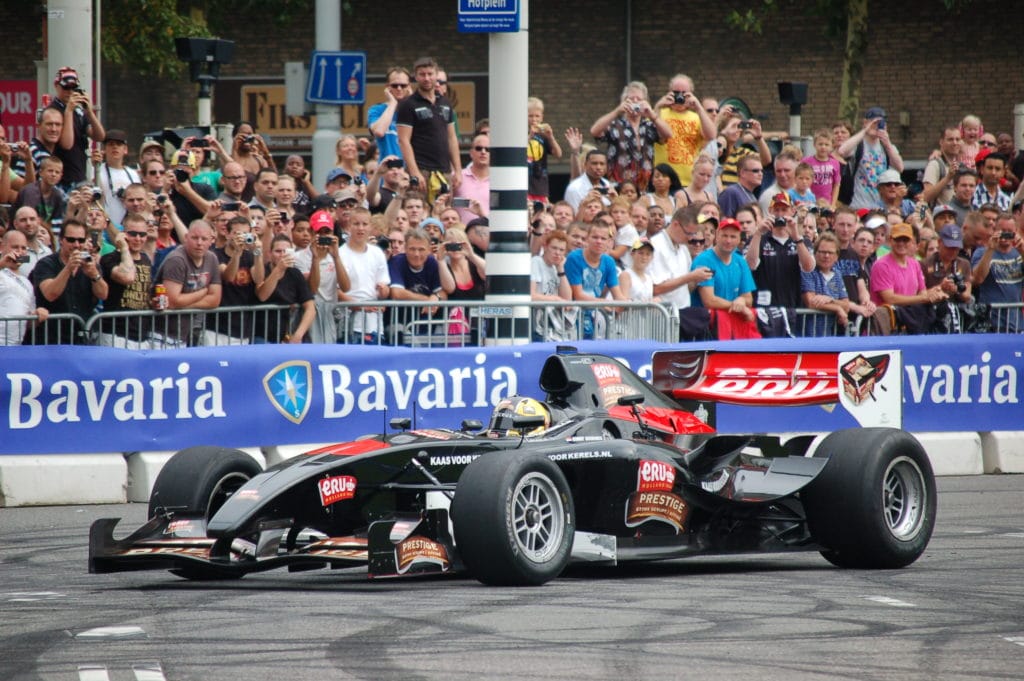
(84, 399)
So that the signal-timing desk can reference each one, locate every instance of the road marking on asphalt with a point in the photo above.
(1015, 535)
(106, 633)
(149, 671)
(895, 602)
(1019, 640)
(143, 671)
(88, 672)
(32, 596)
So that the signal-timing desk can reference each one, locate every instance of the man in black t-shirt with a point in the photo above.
(128, 273)
(426, 134)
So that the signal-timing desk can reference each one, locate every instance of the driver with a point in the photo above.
(504, 414)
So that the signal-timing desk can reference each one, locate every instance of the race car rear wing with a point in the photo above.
(868, 384)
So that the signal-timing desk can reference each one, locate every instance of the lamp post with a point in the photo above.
(795, 95)
(204, 54)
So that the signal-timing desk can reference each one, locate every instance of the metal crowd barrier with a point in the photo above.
(398, 323)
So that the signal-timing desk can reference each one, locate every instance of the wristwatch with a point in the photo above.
(96, 278)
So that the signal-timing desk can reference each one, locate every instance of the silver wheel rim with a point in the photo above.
(538, 517)
(904, 498)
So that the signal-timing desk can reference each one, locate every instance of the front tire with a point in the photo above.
(513, 519)
(198, 480)
(873, 505)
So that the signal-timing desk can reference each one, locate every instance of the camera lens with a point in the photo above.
(779, 221)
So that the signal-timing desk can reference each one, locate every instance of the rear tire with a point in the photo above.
(513, 519)
(873, 505)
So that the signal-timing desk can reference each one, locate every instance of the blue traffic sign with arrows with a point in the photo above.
(337, 78)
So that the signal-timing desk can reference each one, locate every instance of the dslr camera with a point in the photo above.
(958, 279)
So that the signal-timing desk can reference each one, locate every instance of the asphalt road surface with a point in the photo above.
(958, 613)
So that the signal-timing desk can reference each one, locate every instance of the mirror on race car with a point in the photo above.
(630, 400)
(400, 423)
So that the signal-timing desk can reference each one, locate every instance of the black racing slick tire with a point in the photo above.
(513, 519)
(873, 505)
(198, 480)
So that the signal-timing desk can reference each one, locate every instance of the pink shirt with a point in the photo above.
(886, 274)
(826, 177)
(473, 188)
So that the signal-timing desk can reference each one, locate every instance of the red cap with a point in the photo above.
(861, 212)
(729, 222)
(783, 198)
(321, 220)
(982, 155)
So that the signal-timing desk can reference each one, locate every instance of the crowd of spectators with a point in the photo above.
(678, 202)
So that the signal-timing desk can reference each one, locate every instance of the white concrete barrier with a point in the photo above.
(59, 479)
(953, 453)
(1003, 451)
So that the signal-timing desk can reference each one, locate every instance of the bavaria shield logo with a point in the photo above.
(289, 386)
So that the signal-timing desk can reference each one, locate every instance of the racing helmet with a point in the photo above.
(504, 414)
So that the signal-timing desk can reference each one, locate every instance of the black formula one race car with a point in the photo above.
(607, 468)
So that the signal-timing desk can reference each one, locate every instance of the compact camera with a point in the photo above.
(452, 247)
(249, 238)
(97, 195)
(679, 98)
(324, 241)
(85, 256)
(779, 221)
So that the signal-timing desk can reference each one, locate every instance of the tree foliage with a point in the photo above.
(844, 19)
(140, 33)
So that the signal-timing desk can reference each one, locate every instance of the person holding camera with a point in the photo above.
(692, 127)
(69, 281)
(319, 258)
(285, 285)
(947, 268)
(241, 264)
(250, 152)
(631, 130)
(385, 183)
(778, 252)
(17, 298)
(80, 125)
(739, 136)
(472, 196)
(999, 273)
(872, 152)
(112, 175)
